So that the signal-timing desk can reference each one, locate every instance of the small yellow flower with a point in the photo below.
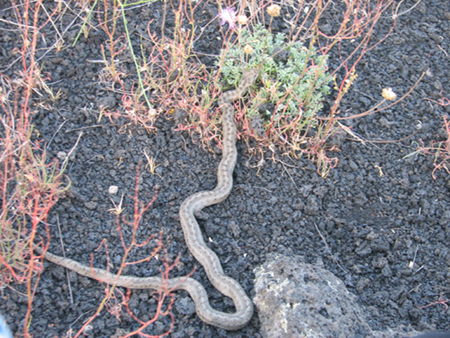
(242, 19)
(388, 94)
(248, 49)
(273, 10)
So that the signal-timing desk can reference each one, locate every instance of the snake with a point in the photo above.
(193, 236)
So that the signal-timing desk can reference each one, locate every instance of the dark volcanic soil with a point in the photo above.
(377, 211)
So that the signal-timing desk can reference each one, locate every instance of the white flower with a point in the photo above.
(228, 14)
(248, 49)
(273, 10)
(242, 19)
(388, 94)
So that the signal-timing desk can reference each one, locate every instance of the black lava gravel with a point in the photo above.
(379, 221)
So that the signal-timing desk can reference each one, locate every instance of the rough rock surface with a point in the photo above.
(300, 300)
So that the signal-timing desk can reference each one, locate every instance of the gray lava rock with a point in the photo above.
(295, 299)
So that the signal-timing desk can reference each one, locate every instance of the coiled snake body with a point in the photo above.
(193, 236)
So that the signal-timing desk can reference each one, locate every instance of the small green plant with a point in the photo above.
(294, 77)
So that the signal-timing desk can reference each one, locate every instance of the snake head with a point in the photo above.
(250, 76)
(247, 79)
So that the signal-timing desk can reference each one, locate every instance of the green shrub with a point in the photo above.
(294, 77)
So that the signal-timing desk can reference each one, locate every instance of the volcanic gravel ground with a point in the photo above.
(377, 211)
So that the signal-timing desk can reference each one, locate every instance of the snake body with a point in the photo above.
(193, 236)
